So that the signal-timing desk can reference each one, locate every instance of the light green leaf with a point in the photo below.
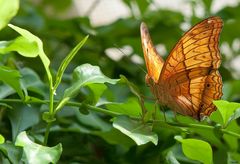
(2, 139)
(66, 61)
(8, 9)
(96, 92)
(226, 110)
(196, 149)
(20, 45)
(84, 75)
(36, 153)
(136, 130)
(130, 108)
(32, 39)
(12, 78)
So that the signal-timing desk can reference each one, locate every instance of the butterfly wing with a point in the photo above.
(153, 60)
(190, 72)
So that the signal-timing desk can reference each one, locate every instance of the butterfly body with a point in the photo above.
(188, 81)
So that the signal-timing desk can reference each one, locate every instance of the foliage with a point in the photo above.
(79, 105)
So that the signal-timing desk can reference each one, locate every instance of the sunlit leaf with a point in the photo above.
(136, 130)
(8, 9)
(226, 109)
(36, 153)
(21, 45)
(96, 92)
(2, 139)
(34, 39)
(196, 149)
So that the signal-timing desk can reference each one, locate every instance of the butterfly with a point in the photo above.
(189, 80)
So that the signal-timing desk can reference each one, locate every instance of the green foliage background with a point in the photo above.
(91, 132)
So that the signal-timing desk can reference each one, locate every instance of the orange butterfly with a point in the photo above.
(188, 81)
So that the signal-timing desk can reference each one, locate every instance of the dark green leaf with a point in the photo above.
(22, 118)
(12, 152)
(12, 78)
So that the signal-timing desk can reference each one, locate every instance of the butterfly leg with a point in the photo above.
(162, 108)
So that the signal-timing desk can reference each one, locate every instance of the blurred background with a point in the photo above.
(114, 45)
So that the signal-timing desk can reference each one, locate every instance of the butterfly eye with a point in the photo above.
(208, 85)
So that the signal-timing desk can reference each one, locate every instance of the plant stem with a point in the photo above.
(51, 99)
(113, 114)
(47, 133)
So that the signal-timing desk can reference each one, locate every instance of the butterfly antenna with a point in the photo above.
(119, 49)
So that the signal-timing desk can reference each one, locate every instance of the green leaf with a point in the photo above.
(140, 133)
(97, 91)
(36, 153)
(22, 118)
(93, 120)
(130, 108)
(32, 82)
(2, 139)
(8, 9)
(20, 45)
(196, 149)
(12, 78)
(233, 157)
(12, 152)
(34, 39)
(226, 110)
(84, 75)
(66, 62)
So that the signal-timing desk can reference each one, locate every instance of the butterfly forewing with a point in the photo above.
(197, 48)
(153, 60)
